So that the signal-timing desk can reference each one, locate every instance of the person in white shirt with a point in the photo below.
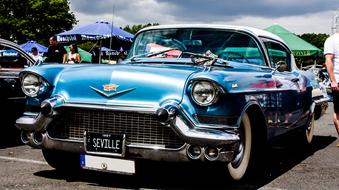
(331, 52)
(36, 56)
(73, 55)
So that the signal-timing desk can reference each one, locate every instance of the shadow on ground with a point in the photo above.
(281, 157)
(9, 135)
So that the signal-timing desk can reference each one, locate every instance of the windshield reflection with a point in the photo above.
(175, 43)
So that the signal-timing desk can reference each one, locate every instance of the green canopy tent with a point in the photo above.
(299, 47)
(85, 56)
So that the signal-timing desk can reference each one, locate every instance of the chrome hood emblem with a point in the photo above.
(108, 88)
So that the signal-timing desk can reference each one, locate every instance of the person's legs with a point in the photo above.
(336, 121)
(336, 112)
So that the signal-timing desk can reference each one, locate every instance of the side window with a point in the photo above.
(9, 58)
(278, 55)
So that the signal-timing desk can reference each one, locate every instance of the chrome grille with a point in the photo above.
(140, 129)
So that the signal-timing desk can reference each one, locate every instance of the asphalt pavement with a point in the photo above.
(289, 165)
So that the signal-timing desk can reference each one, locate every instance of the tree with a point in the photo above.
(317, 40)
(135, 28)
(34, 19)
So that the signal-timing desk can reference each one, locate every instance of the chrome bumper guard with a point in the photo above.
(203, 136)
(32, 122)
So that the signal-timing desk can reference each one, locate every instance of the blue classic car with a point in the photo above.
(205, 93)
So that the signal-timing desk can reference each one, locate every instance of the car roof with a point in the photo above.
(254, 31)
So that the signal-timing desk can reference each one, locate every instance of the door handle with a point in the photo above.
(11, 81)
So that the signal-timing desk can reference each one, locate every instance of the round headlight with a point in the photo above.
(31, 85)
(204, 93)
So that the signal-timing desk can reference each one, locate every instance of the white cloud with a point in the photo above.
(310, 23)
(260, 13)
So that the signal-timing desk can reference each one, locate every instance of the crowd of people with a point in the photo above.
(56, 53)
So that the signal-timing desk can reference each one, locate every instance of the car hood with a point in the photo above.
(124, 84)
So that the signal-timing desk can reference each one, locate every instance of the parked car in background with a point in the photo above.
(321, 85)
(203, 93)
(12, 100)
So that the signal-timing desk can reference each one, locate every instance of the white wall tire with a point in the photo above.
(310, 131)
(239, 166)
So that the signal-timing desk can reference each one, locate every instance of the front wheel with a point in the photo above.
(239, 165)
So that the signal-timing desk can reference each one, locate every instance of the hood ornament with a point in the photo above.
(107, 88)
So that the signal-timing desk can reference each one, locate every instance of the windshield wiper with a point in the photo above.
(206, 59)
(151, 54)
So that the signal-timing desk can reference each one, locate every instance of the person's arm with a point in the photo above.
(64, 52)
(78, 58)
(330, 69)
(64, 58)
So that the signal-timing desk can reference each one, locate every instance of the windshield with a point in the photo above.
(182, 42)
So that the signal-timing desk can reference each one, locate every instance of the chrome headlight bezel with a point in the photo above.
(33, 85)
(204, 92)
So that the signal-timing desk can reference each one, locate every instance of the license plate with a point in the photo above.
(114, 165)
(104, 144)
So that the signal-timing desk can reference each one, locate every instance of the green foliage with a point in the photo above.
(317, 40)
(135, 28)
(34, 19)
(88, 46)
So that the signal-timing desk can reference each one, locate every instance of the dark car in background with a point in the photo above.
(13, 60)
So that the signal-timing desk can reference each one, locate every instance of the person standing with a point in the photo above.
(331, 52)
(73, 55)
(95, 55)
(36, 56)
(56, 52)
(121, 57)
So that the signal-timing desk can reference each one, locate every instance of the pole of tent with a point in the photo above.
(100, 51)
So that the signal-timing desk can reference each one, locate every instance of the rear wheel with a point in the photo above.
(239, 165)
(61, 160)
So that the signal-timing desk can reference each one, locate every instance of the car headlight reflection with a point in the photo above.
(204, 93)
(32, 85)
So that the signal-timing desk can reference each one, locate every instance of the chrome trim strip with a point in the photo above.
(113, 107)
(321, 100)
(17, 98)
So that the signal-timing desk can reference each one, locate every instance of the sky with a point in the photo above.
(298, 16)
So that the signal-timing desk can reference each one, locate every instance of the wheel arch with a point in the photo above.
(257, 120)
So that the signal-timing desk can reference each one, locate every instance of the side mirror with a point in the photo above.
(281, 66)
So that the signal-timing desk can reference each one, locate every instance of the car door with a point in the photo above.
(289, 86)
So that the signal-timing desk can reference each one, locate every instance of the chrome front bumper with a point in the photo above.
(224, 138)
